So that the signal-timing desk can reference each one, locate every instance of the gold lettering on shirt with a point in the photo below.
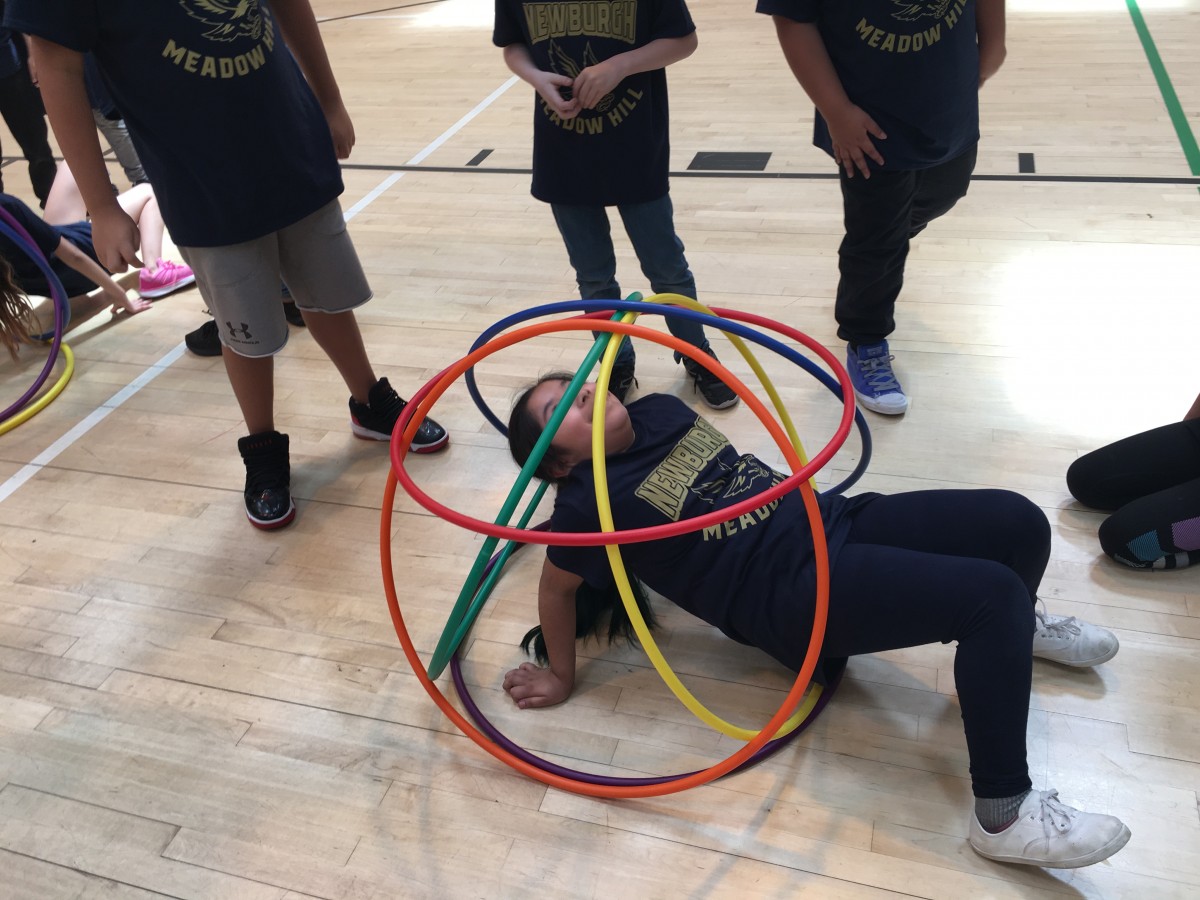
(615, 19)
(667, 486)
(245, 27)
(891, 42)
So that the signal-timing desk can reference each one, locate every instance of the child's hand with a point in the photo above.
(557, 91)
(341, 129)
(122, 302)
(594, 83)
(851, 131)
(116, 239)
(532, 686)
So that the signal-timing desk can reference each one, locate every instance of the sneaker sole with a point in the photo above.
(1098, 855)
(870, 403)
(205, 351)
(1077, 663)
(162, 292)
(272, 524)
(725, 405)
(366, 434)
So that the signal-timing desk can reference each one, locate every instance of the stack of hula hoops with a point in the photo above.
(34, 400)
(803, 702)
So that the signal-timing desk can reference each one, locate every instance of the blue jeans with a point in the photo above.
(651, 228)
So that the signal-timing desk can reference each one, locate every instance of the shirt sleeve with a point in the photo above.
(507, 28)
(796, 10)
(45, 236)
(589, 563)
(71, 23)
(671, 20)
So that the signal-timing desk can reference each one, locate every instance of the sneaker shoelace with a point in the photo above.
(389, 408)
(878, 373)
(1059, 626)
(262, 477)
(1053, 813)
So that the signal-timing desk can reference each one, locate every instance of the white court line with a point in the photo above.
(96, 416)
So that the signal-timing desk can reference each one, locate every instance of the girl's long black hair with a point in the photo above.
(595, 608)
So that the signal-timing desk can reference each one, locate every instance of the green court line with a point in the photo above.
(1187, 140)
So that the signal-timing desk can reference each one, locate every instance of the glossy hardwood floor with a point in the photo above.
(192, 708)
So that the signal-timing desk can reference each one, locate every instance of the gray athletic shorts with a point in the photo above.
(240, 282)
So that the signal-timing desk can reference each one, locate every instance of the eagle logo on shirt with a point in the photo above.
(743, 477)
(561, 63)
(228, 20)
(909, 11)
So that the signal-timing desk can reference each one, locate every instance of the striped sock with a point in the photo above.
(997, 813)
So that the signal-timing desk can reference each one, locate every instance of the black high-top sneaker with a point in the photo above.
(716, 393)
(376, 420)
(268, 477)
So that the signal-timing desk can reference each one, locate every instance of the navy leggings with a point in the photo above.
(882, 214)
(1152, 480)
(962, 566)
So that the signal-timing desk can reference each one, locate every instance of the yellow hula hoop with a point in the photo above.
(620, 574)
(43, 401)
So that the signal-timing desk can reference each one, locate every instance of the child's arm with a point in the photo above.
(547, 84)
(849, 126)
(86, 266)
(594, 82)
(299, 27)
(989, 30)
(532, 686)
(60, 75)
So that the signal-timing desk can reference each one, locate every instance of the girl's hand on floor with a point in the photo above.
(532, 686)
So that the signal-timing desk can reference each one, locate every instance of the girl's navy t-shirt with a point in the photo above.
(753, 576)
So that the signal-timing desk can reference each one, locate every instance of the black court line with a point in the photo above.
(716, 161)
(784, 176)
(1025, 163)
(375, 12)
(797, 176)
(479, 157)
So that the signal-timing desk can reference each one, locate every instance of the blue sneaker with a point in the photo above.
(875, 383)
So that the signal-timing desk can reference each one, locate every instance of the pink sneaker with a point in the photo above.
(164, 278)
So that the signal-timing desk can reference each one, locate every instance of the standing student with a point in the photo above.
(896, 90)
(21, 107)
(239, 124)
(600, 139)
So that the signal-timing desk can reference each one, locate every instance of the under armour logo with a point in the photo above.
(233, 332)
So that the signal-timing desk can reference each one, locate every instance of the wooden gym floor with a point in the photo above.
(192, 708)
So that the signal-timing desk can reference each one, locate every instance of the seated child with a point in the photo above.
(1151, 483)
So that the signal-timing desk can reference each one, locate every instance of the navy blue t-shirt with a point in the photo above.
(752, 577)
(912, 66)
(619, 152)
(28, 276)
(227, 129)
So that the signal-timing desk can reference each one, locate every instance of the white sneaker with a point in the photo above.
(1072, 642)
(1051, 834)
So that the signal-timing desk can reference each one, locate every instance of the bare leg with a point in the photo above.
(64, 204)
(253, 380)
(140, 205)
(151, 229)
(338, 335)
